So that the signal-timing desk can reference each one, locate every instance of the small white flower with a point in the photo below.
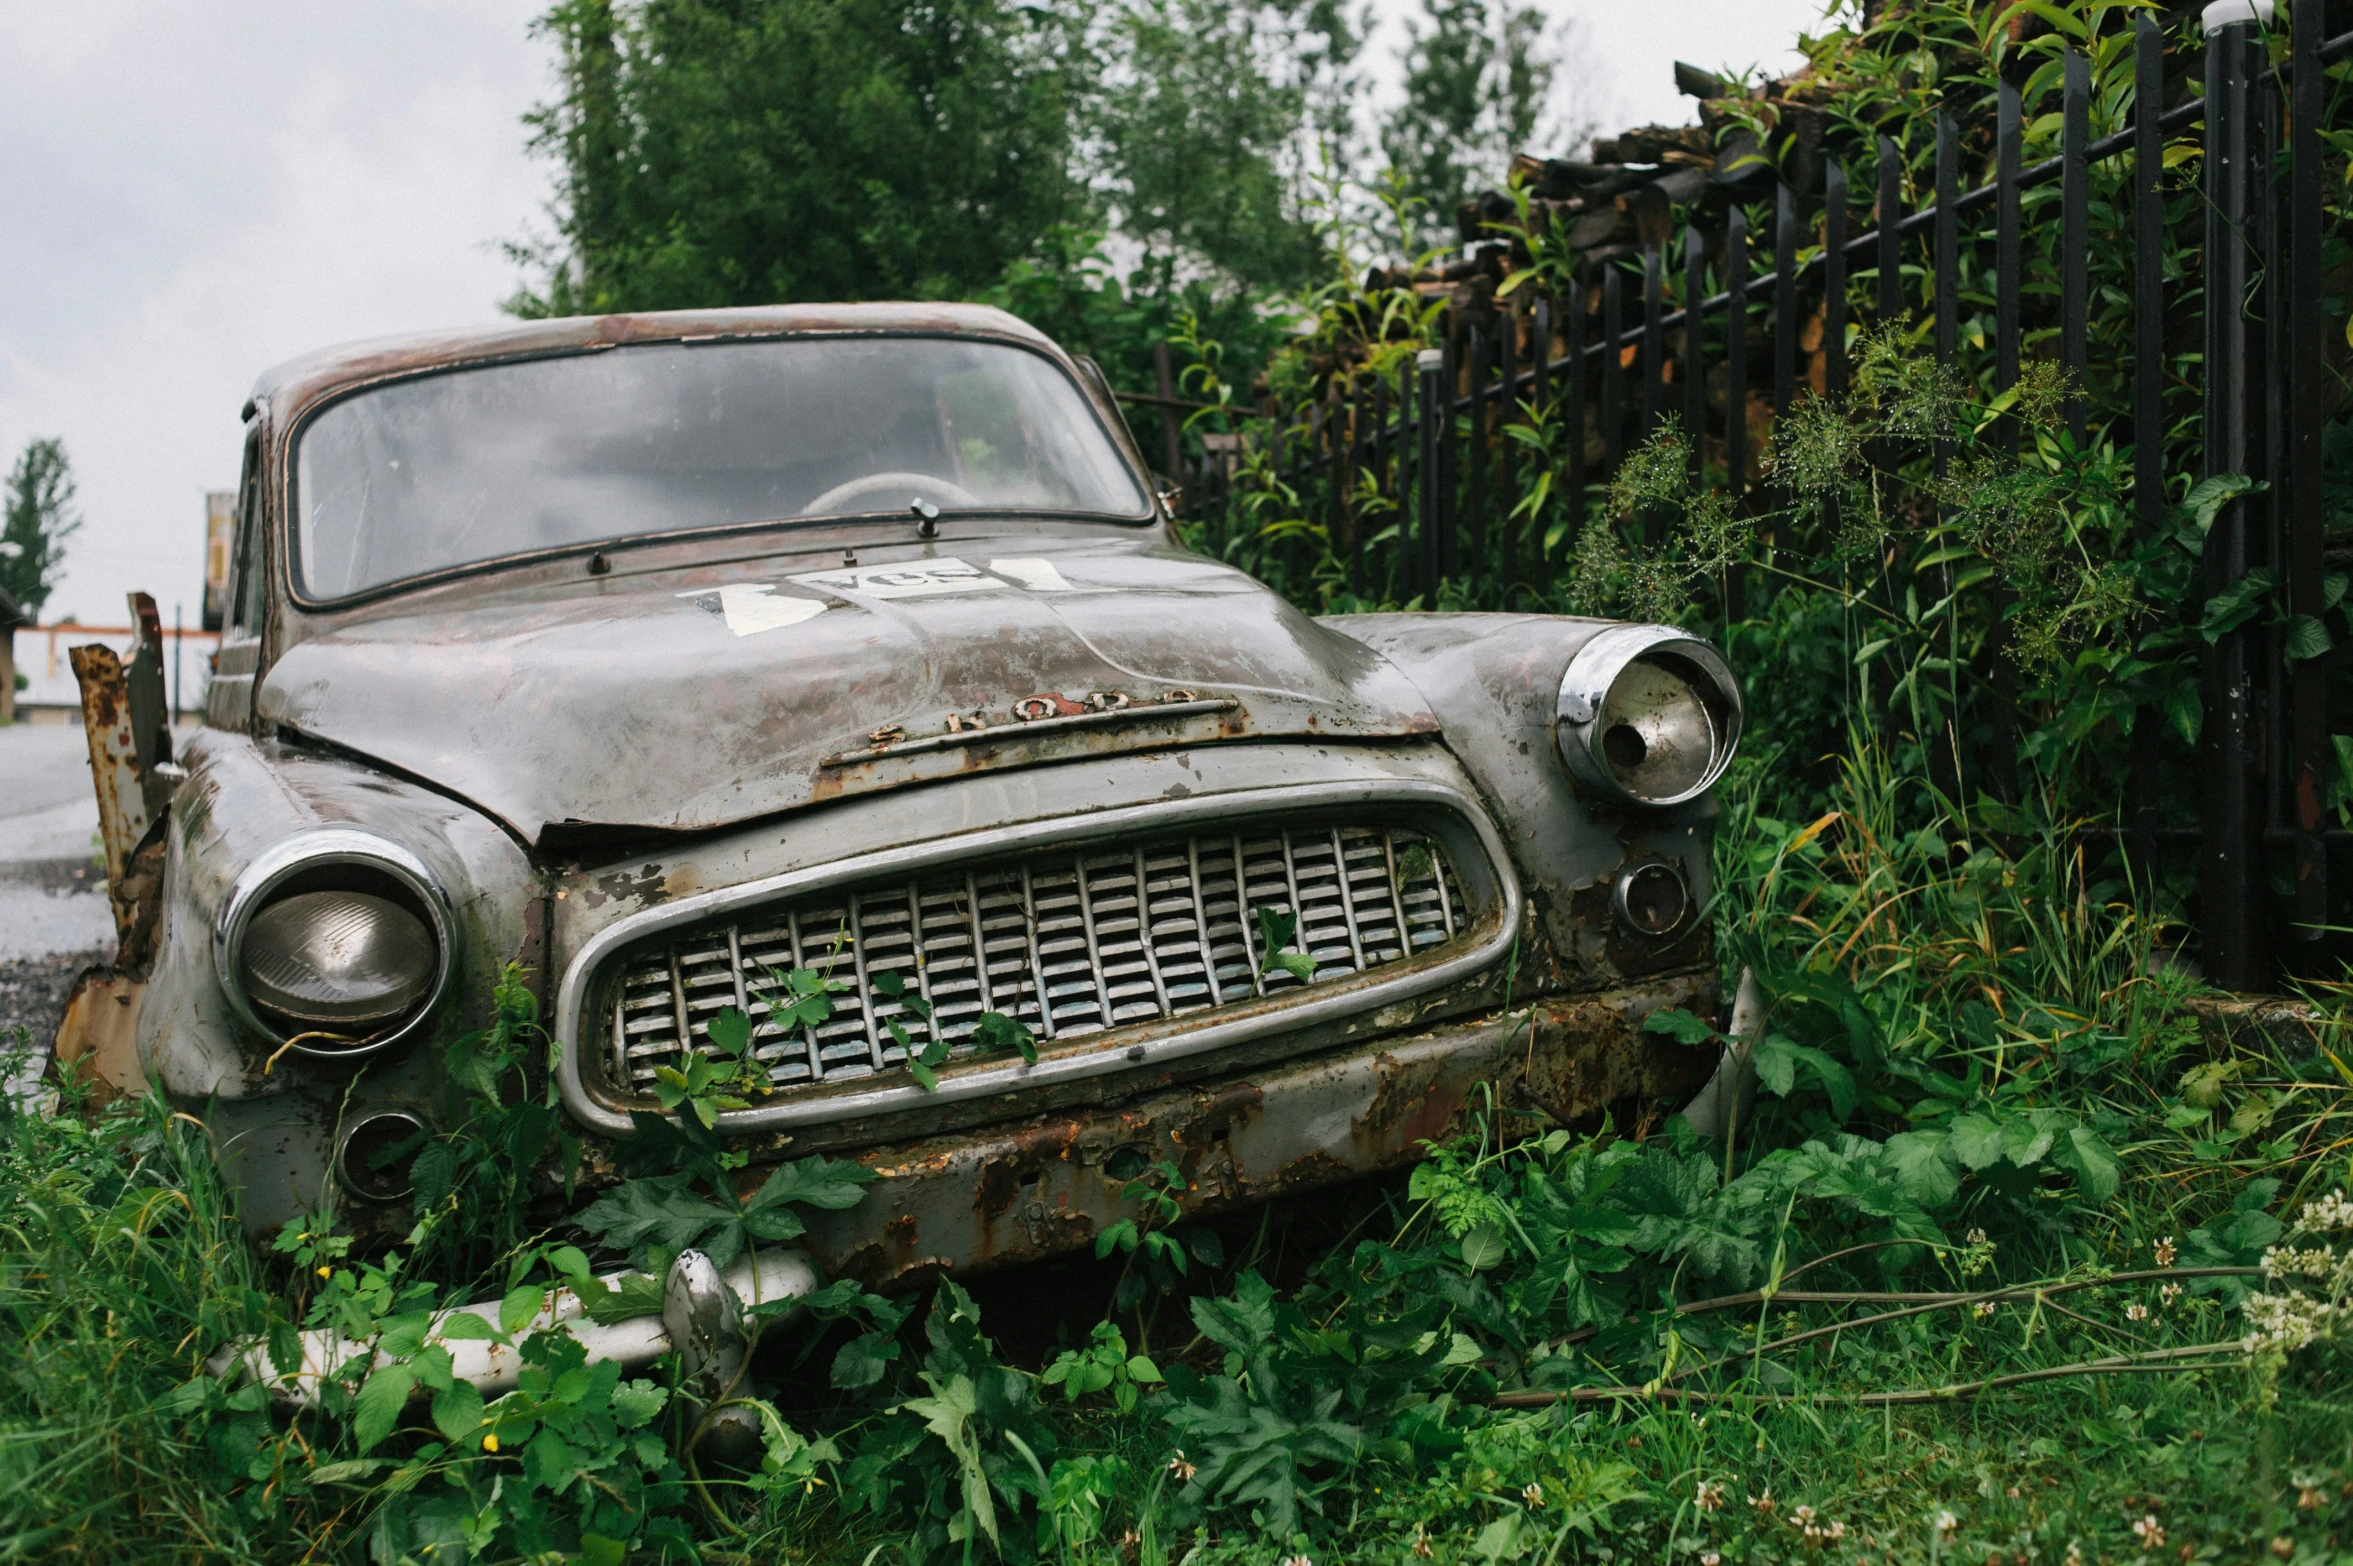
(2168, 1294)
(1984, 1308)
(1709, 1497)
(2136, 1311)
(2150, 1532)
(1533, 1494)
(1297, 1560)
(2166, 1252)
(1711, 1558)
(1947, 1524)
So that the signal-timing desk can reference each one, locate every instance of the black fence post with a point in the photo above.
(2307, 394)
(2231, 879)
(1507, 467)
(2148, 384)
(1410, 477)
(1834, 280)
(1429, 464)
(2001, 760)
(1473, 556)
(1573, 409)
(1446, 478)
(1654, 340)
(1694, 366)
(2075, 202)
(1890, 218)
(1784, 299)
(1613, 369)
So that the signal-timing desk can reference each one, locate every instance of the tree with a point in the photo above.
(40, 519)
(1217, 121)
(719, 152)
(1479, 80)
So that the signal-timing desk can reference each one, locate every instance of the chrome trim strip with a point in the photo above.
(1340, 1001)
(1018, 727)
(302, 851)
(1586, 685)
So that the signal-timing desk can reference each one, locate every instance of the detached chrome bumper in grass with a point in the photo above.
(639, 1340)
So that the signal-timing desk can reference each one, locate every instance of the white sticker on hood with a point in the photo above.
(1034, 573)
(751, 607)
(915, 579)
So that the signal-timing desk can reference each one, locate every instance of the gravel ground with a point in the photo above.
(53, 915)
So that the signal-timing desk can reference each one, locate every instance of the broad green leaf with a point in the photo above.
(2027, 1138)
(1776, 1061)
(633, 1294)
(457, 1410)
(1976, 1141)
(2185, 708)
(1924, 1167)
(1484, 1247)
(519, 1306)
(377, 1408)
(652, 1212)
(815, 1182)
(864, 1360)
(731, 1030)
(2307, 638)
(635, 1403)
(994, 1031)
(1681, 1025)
(461, 1326)
(2093, 1163)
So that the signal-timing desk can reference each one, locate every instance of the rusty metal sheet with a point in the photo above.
(1009, 1194)
(620, 701)
(123, 815)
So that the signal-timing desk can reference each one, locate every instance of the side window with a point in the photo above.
(246, 613)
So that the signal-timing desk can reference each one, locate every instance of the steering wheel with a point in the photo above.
(838, 499)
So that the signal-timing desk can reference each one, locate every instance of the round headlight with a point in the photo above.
(338, 959)
(335, 942)
(1648, 714)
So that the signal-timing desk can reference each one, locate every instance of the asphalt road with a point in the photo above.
(53, 914)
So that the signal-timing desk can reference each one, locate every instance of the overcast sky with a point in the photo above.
(194, 190)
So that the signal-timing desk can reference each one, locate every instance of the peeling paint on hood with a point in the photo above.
(629, 701)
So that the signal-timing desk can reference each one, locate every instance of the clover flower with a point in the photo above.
(2150, 1532)
(1533, 1494)
(2166, 1252)
(1183, 1469)
(2136, 1311)
(1947, 1524)
(1709, 1497)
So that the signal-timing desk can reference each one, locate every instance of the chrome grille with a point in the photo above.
(1067, 942)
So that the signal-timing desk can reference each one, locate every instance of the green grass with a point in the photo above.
(1940, 1003)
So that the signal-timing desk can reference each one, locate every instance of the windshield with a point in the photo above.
(446, 470)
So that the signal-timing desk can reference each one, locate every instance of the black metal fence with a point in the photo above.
(1426, 453)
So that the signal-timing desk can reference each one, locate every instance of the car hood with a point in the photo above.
(688, 700)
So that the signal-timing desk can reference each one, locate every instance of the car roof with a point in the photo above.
(288, 389)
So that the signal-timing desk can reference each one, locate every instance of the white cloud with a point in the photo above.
(201, 190)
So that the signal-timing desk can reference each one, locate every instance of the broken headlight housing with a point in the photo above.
(334, 943)
(1648, 714)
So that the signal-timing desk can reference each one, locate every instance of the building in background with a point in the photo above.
(220, 533)
(42, 653)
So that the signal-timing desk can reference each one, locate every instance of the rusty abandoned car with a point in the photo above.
(669, 655)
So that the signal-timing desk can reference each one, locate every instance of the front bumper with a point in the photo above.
(1006, 1194)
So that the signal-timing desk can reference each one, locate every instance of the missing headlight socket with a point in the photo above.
(1650, 898)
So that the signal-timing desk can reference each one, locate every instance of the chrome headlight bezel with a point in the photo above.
(307, 855)
(1596, 669)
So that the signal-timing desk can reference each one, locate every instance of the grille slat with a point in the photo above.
(1067, 943)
